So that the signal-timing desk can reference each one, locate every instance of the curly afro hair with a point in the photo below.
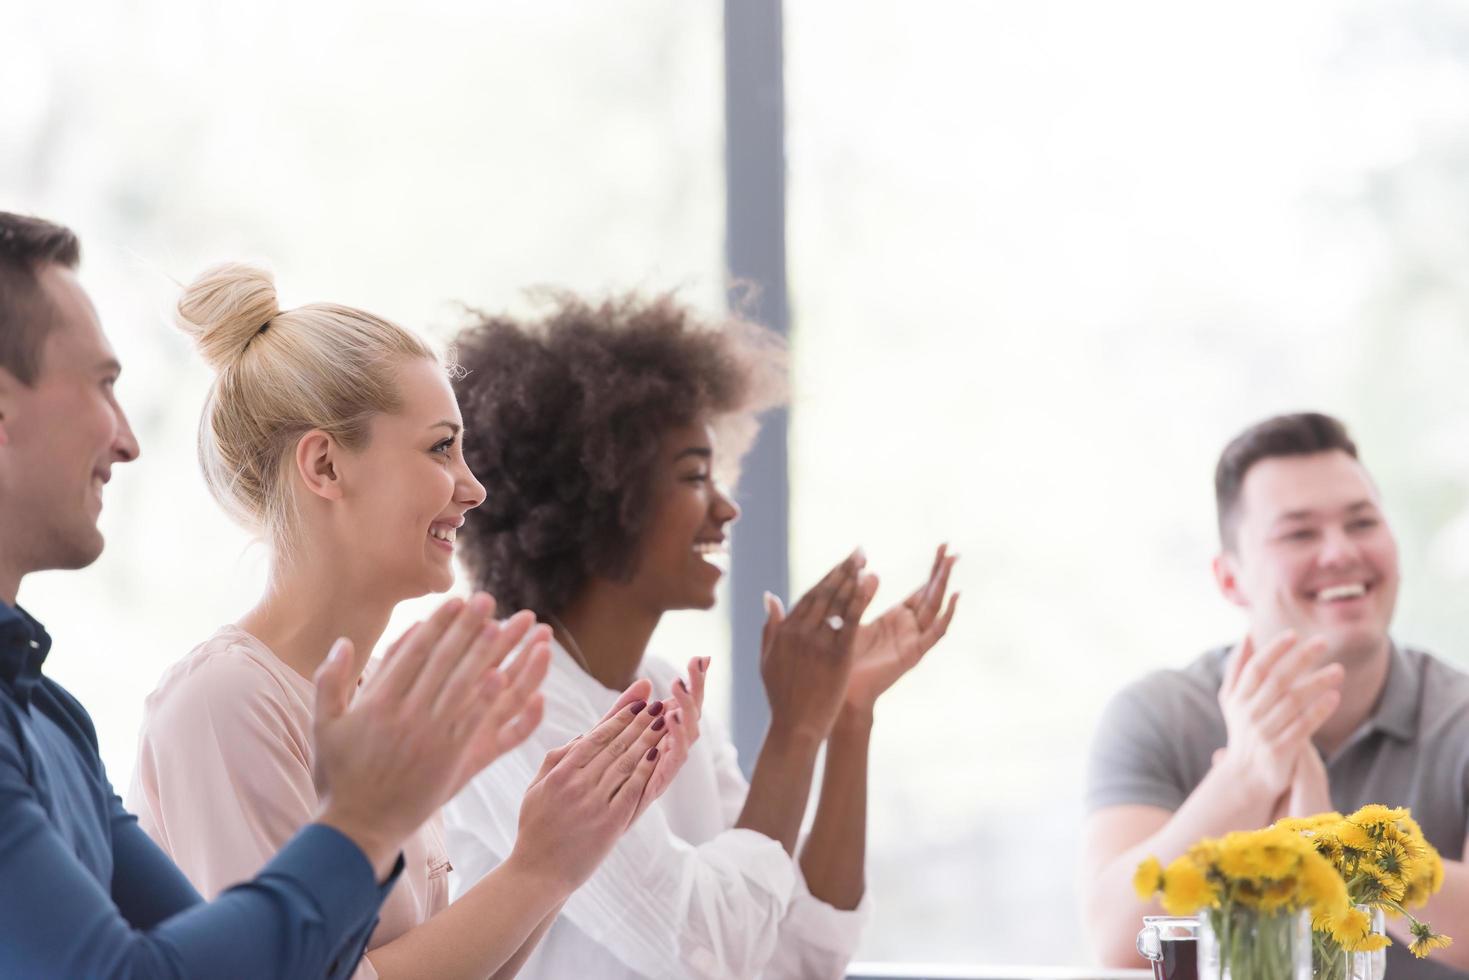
(564, 417)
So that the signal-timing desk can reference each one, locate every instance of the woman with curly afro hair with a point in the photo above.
(600, 432)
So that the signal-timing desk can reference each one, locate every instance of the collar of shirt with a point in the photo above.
(1397, 708)
(24, 644)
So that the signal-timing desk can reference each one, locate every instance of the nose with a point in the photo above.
(1338, 548)
(125, 447)
(468, 490)
(722, 508)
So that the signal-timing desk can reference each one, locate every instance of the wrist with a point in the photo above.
(542, 883)
(792, 738)
(380, 849)
(853, 721)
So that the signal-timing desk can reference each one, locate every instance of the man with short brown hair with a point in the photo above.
(1315, 709)
(83, 891)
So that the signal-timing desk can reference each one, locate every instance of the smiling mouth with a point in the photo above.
(444, 534)
(1342, 593)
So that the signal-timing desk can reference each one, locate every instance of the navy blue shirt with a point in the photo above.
(85, 893)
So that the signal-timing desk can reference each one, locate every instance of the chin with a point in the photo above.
(77, 550)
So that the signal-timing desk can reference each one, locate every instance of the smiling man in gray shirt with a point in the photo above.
(1315, 709)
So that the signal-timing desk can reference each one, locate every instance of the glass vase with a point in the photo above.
(1330, 962)
(1240, 943)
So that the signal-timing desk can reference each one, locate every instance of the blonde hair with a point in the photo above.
(278, 376)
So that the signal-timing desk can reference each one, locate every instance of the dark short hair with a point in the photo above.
(26, 245)
(1299, 434)
(564, 417)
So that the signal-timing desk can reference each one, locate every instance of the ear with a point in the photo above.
(318, 464)
(9, 390)
(1226, 576)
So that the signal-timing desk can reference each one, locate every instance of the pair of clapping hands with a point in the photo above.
(820, 659)
(1274, 700)
(445, 703)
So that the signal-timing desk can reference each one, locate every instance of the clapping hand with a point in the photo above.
(894, 643)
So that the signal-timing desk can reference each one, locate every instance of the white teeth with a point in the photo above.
(443, 533)
(1336, 592)
(710, 548)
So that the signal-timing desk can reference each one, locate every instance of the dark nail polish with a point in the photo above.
(652, 754)
(639, 706)
(655, 709)
(658, 725)
(682, 686)
(703, 665)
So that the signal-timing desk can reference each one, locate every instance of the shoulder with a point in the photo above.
(1444, 693)
(1171, 696)
(226, 681)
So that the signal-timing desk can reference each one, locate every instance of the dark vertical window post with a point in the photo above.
(754, 154)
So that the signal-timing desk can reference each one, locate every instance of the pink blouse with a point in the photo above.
(223, 777)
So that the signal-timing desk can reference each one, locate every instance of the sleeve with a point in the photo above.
(307, 914)
(224, 776)
(661, 906)
(816, 940)
(1129, 763)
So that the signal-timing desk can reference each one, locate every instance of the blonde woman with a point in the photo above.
(335, 434)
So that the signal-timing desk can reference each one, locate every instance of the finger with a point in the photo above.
(621, 768)
(1254, 674)
(334, 682)
(458, 641)
(552, 757)
(615, 751)
(1242, 655)
(1287, 672)
(398, 675)
(593, 742)
(940, 626)
(629, 796)
(814, 603)
(683, 697)
(775, 614)
(398, 643)
(698, 676)
(1311, 719)
(837, 605)
(939, 588)
(865, 587)
(518, 729)
(1290, 707)
(487, 652)
(671, 756)
(640, 690)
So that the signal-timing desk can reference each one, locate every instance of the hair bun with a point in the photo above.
(225, 309)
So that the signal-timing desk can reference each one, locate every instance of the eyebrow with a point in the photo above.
(1305, 515)
(454, 427)
(703, 452)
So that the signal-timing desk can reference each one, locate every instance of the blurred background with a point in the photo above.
(1044, 259)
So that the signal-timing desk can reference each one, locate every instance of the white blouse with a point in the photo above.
(684, 894)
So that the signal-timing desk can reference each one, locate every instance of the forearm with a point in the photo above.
(1224, 801)
(1446, 912)
(485, 931)
(780, 786)
(833, 858)
(512, 967)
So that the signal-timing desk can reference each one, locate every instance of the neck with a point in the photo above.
(308, 605)
(1362, 685)
(611, 630)
(9, 585)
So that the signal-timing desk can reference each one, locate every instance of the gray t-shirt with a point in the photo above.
(1157, 739)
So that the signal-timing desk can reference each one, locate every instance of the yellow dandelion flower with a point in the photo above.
(1186, 888)
(1425, 940)
(1322, 887)
(1353, 837)
(1350, 927)
(1376, 814)
(1148, 880)
(1369, 943)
